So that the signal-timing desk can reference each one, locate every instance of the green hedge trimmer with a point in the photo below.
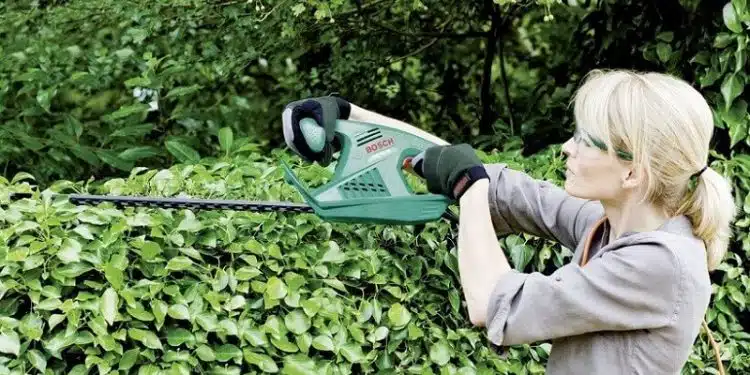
(368, 185)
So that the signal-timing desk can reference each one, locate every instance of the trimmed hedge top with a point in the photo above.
(150, 291)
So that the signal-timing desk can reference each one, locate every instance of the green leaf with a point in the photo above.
(159, 308)
(108, 305)
(235, 303)
(128, 359)
(139, 109)
(323, 342)
(137, 153)
(44, 98)
(732, 86)
(740, 9)
(179, 263)
(207, 321)
(398, 315)
(336, 284)
(740, 56)
(114, 160)
(114, 276)
(183, 153)
(519, 254)
(32, 326)
(284, 344)
(179, 312)
(148, 338)
(37, 359)
(227, 352)
(70, 251)
(440, 353)
(334, 253)
(298, 364)
(298, 9)
(378, 334)
(730, 18)
(737, 296)
(666, 36)
(179, 336)
(255, 337)
(21, 176)
(180, 369)
(737, 133)
(264, 362)
(352, 352)
(190, 223)
(297, 322)
(226, 138)
(183, 91)
(10, 343)
(133, 131)
(275, 288)
(138, 82)
(664, 51)
(205, 353)
(124, 53)
(247, 273)
(140, 313)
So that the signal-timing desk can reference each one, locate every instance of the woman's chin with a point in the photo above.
(570, 187)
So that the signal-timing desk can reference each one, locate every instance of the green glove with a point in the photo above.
(325, 111)
(449, 170)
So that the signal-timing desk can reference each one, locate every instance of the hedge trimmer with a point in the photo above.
(368, 185)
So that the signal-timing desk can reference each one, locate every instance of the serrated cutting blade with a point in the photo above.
(197, 204)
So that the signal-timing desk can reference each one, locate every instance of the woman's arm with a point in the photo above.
(481, 261)
(521, 203)
(518, 202)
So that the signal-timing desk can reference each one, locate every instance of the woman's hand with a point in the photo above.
(325, 111)
(448, 170)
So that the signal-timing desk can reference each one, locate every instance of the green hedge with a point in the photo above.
(170, 291)
(102, 290)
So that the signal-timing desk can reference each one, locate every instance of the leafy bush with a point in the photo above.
(105, 289)
(154, 291)
(95, 88)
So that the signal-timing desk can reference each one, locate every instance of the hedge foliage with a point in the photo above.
(143, 290)
(154, 291)
(175, 291)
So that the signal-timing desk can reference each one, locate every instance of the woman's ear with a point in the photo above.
(632, 178)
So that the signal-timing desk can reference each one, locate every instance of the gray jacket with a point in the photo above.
(635, 307)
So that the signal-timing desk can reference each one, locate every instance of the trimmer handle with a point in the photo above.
(314, 134)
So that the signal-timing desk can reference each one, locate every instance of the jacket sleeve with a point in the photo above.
(634, 287)
(520, 203)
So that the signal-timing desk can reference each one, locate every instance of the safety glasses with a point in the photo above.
(587, 140)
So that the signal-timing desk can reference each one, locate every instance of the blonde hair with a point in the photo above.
(666, 126)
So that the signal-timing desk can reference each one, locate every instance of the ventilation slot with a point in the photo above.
(368, 136)
(368, 185)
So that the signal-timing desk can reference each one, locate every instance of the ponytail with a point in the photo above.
(711, 208)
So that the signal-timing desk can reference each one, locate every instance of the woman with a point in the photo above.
(645, 214)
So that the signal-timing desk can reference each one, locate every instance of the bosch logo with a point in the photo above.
(379, 145)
